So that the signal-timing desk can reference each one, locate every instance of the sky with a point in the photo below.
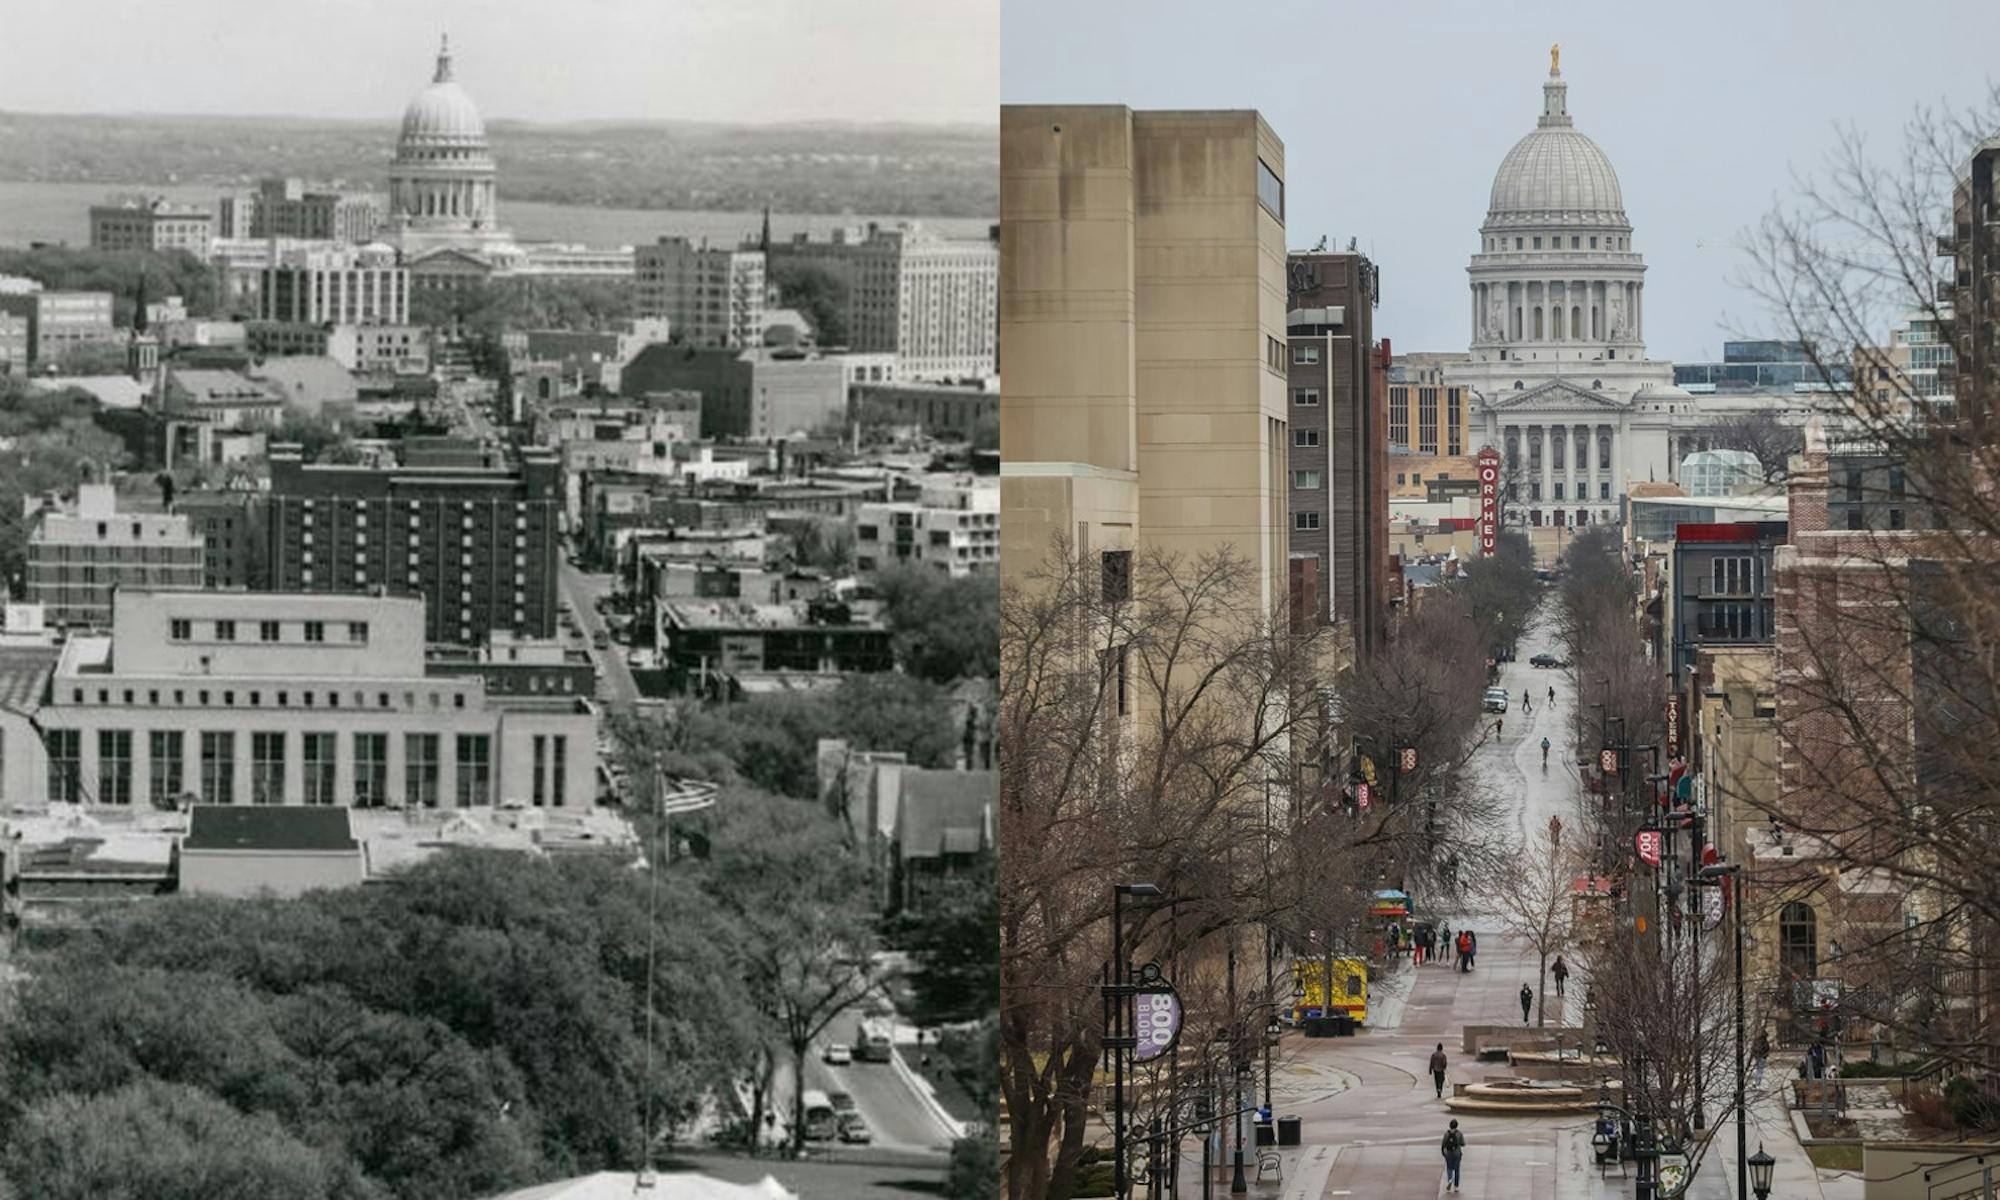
(1395, 117)
(755, 61)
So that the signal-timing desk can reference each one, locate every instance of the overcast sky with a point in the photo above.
(1394, 121)
(930, 61)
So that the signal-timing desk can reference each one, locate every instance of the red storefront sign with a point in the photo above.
(1649, 847)
(1489, 500)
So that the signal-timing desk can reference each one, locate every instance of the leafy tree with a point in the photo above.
(71, 268)
(817, 291)
(975, 1167)
(782, 870)
(945, 627)
(169, 1141)
(986, 432)
(93, 358)
(823, 542)
(955, 940)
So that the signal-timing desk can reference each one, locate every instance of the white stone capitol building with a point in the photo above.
(1558, 368)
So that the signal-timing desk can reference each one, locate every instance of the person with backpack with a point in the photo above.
(1471, 949)
(1446, 944)
(1561, 973)
(1527, 1002)
(1438, 1067)
(1454, 1153)
(1464, 951)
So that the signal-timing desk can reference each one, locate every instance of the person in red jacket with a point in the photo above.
(1438, 1069)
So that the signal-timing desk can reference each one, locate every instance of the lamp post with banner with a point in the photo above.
(1120, 1041)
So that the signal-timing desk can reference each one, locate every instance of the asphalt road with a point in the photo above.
(582, 590)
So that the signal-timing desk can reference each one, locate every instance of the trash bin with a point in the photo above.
(1266, 1136)
(1288, 1131)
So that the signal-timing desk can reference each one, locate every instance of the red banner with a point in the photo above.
(1673, 725)
(1489, 500)
(1361, 795)
(1649, 847)
(1409, 759)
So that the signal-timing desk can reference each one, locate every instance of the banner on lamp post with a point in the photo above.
(1648, 843)
(1408, 757)
(1361, 795)
(1673, 725)
(1158, 1023)
(1488, 461)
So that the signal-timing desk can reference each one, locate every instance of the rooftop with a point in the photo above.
(268, 827)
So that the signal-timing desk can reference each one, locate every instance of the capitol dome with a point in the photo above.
(1555, 175)
(442, 115)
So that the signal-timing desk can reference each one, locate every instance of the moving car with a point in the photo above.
(838, 1054)
(601, 640)
(854, 1129)
(1496, 700)
(1546, 660)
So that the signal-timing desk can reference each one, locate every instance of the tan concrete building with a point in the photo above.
(1142, 308)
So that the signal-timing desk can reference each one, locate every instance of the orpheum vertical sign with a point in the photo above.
(1489, 500)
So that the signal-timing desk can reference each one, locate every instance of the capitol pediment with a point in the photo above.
(1555, 395)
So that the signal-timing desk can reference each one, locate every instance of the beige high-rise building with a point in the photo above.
(1142, 320)
(709, 296)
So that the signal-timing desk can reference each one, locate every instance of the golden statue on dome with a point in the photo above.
(1555, 59)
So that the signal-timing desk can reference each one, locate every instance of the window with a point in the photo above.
(1593, 242)
(218, 767)
(167, 748)
(317, 751)
(1309, 480)
(1559, 491)
(539, 793)
(371, 770)
(1115, 576)
(180, 629)
(1730, 576)
(65, 765)
(1305, 520)
(1306, 396)
(114, 766)
(559, 786)
(1798, 941)
(475, 770)
(1517, 243)
(357, 631)
(225, 631)
(1895, 518)
(1270, 190)
(315, 631)
(1274, 357)
(420, 770)
(1854, 518)
(1575, 242)
(1896, 483)
(267, 768)
(1305, 437)
(1538, 243)
(1305, 352)
(1604, 491)
(267, 631)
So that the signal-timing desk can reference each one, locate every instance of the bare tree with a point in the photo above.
(1759, 433)
(1534, 890)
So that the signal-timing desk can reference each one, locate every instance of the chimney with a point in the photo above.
(1806, 484)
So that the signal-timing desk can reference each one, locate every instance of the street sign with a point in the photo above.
(1649, 847)
(1409, 759)
(1488, 461)
(1157, 1025)
(1607, 760)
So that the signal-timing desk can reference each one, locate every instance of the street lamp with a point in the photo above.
(1119, 992)
(1760, 1173)
(1734, 871)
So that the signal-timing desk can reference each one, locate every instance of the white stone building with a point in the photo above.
(1558, 368)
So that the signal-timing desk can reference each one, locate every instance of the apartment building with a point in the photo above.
(953, 527)
(151, 224)
(336, 287)
(711, 296)
(931, 301)
(79, 555)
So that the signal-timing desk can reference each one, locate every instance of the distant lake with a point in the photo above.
(59, 212)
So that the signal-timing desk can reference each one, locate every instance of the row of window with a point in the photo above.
(181, 629)
(1555, 243)
(318, 756)
(1582, 491)
(254, 698)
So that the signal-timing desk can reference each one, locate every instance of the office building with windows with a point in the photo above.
(952, 527)
(926, 299)
(479, 542)
(151, 224)
(709, 296)
(59, 322)
(268, 698)
(365, 286)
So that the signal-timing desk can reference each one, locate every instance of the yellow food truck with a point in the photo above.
(1350, 989)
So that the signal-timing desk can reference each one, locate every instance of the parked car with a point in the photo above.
(838, 1054)
(854, 1129)
(843, 1102)
(601, 640)
(1546, 660)
(1496, 700)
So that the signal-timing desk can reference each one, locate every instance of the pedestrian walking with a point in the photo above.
(1527, 1002)
(1472, 949)
(1816, 1058)
(1464, 952)
(1525, 706)
(1417, 949)
(1454, 1153)
(1561, 973)
(1552, 695)
(1438, 1066)
(1446, 945)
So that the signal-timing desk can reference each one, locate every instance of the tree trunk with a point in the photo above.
(760, 1094)
(1542, 992)
(798, 1098)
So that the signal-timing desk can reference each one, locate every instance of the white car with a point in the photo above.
(838, 1054)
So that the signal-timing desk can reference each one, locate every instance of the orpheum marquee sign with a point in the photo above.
(1489, 500)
